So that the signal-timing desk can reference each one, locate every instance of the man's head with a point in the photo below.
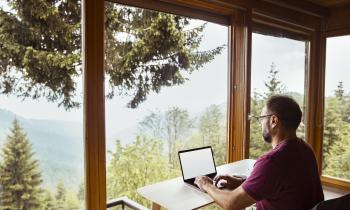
(281, 113)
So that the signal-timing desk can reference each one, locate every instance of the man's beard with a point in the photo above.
(267, 136)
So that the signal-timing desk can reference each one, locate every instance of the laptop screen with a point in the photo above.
(197, 162)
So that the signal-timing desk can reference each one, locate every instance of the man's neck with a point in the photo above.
(281, 136)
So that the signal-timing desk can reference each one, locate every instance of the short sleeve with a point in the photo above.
(263, 181)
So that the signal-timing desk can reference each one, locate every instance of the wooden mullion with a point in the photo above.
(318, 146)
(94, 107)
(239, 87)
(316, 81)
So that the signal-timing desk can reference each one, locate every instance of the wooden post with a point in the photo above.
(94, 113)
(239, 86)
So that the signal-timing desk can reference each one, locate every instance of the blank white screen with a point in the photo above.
(196, 163)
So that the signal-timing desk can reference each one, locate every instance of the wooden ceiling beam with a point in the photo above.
(331, 3)
(302, 6)
(338, 22)
(300, 13)
(212, 13)
(305, 7)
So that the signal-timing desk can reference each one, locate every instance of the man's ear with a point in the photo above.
(274, 121)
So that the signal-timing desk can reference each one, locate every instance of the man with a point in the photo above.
(285, 178)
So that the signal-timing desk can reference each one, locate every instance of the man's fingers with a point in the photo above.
(224, 184)
(217, 181)
(196, 180)
(220, 177)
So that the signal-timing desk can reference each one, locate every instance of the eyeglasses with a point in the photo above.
(259, 117)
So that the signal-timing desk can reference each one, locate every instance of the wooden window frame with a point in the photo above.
(336, 24)
(277, 28)
(239, 16)
(329, 180)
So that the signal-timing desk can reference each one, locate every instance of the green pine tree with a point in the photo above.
(339, 92)
(61, 196)
(337, 161)
(48, 202)
(81, 192)
(20, 177)
(336, 139)
(333, 126)
(273, 85)
(344, 100)
(40, 50)
(72, 200)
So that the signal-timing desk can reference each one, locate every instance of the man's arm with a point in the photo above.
(228, 200)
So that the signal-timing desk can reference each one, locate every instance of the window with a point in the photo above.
(336, 134)
(166, 90)
(279, 66)
(41, 121)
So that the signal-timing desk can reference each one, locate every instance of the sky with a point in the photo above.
(288, 56)
(208, 85)
(337, 63)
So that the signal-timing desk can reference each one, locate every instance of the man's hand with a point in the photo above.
(202, 182)
(230, 182)
(233, 200)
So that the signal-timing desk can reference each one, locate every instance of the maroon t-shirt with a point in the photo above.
(286, 178)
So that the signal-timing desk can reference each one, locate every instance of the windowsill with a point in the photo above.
(331, 192)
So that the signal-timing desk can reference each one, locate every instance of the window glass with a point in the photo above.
(279, 66)
(336, 134)
(41, 129)
(166, 90)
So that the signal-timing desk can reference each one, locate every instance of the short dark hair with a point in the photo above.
(286, 109)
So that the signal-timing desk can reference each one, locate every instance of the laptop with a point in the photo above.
(197, 162)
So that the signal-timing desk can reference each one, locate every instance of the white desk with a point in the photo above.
(174, 194)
